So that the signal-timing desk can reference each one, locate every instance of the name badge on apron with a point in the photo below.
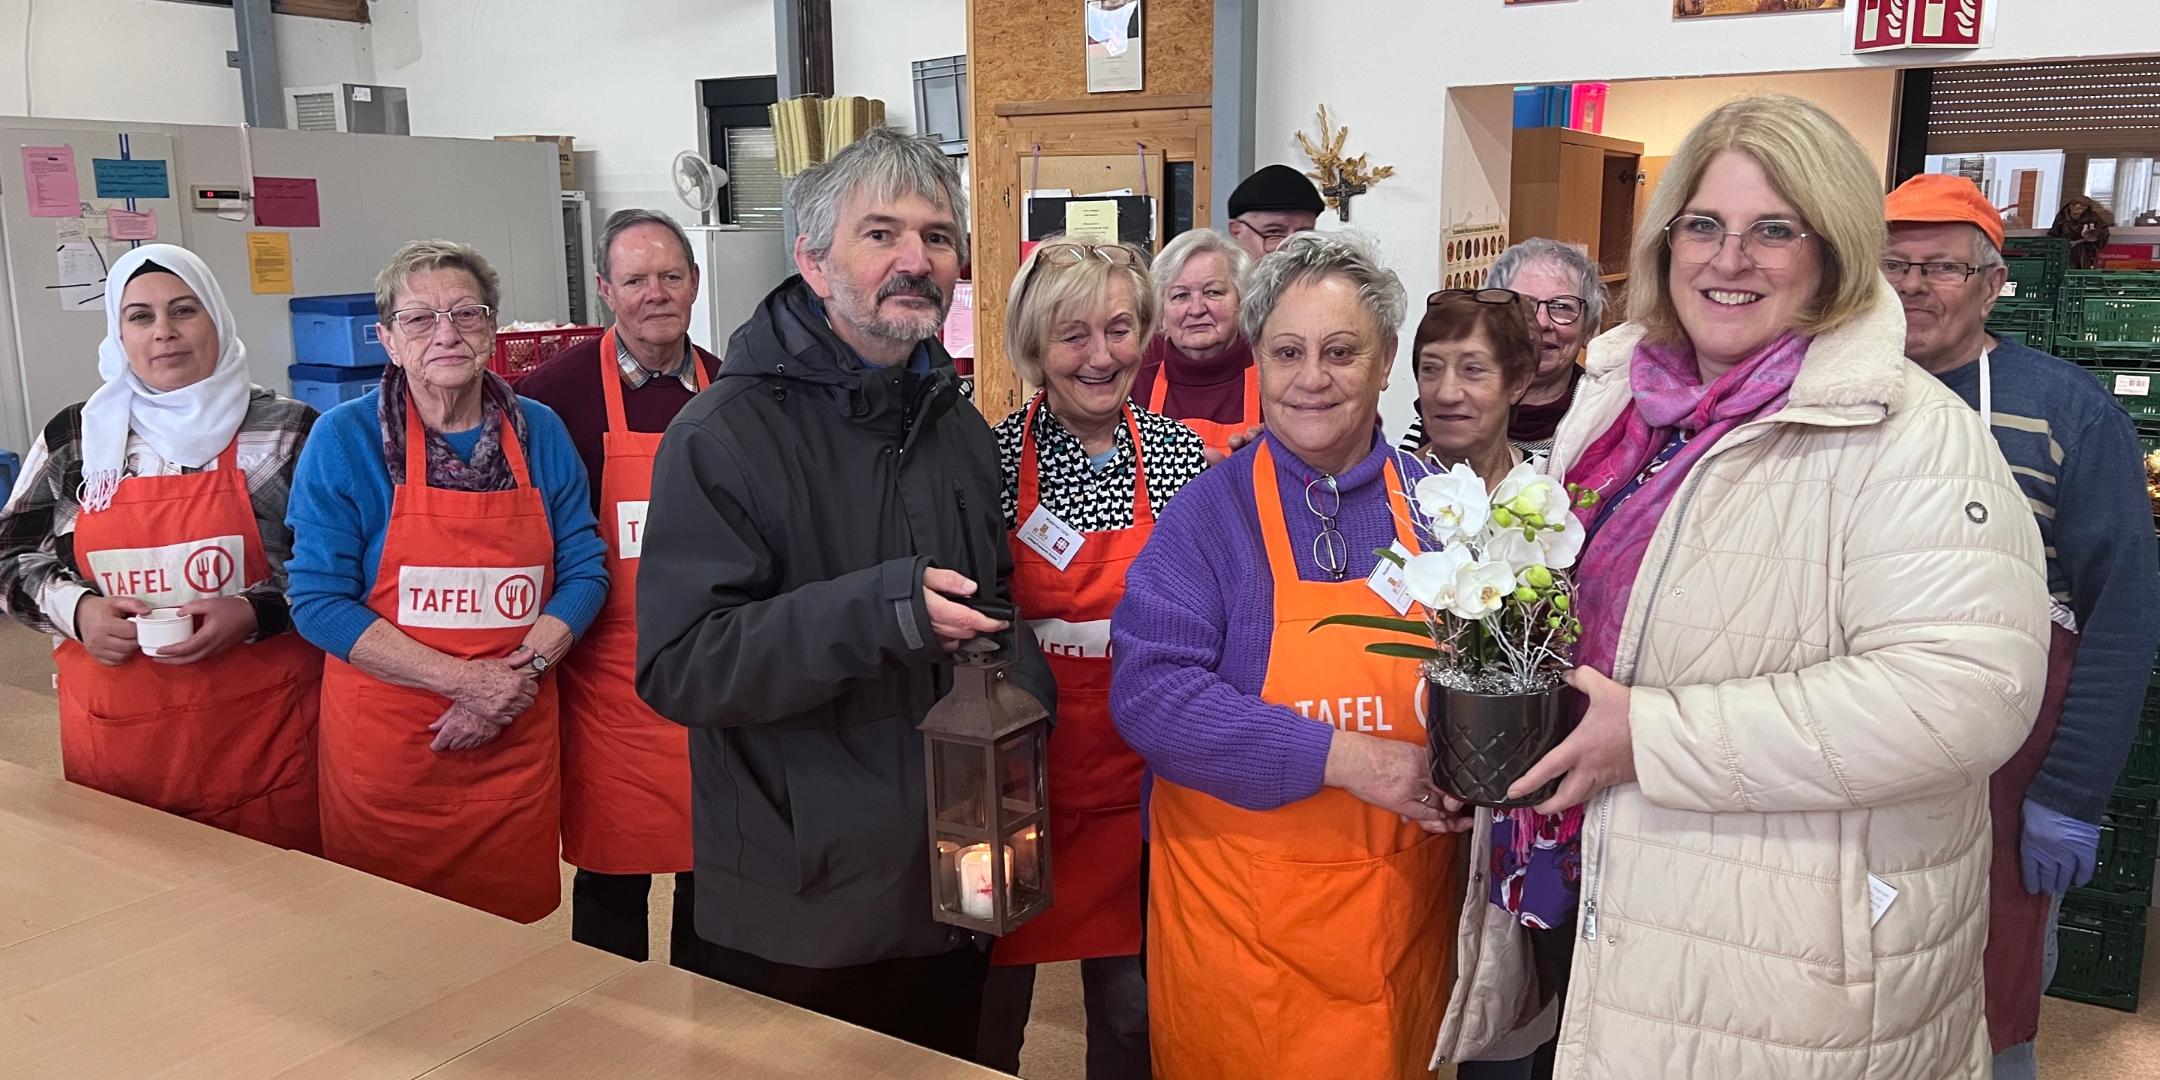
(1391, 581)
(630, 528)
(1047, 535)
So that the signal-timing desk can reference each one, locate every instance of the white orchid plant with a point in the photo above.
(1494, 587)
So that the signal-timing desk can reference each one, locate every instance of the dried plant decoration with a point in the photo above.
(1340, 178)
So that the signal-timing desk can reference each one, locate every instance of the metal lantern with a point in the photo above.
(985, 746)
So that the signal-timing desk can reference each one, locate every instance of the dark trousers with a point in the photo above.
(1114, 991)
(610, 912)
(1552, 952)
(932, 1001)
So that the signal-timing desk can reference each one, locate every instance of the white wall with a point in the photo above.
(620, 77)
(1386, 68)
(73, 60)
(876, 42)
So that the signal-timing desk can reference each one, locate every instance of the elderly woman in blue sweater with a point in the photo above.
(445, 556)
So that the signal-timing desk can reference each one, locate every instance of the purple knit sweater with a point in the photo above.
(1190, 638)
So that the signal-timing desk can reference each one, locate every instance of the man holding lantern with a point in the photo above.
(825, 532)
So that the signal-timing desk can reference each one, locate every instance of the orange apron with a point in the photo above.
(1213, 432)
(229, 740)
(625, 768)
(465, 573)
(1094, 777)
(1315, 939)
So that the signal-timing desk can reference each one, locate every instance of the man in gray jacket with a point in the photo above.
(822, 519)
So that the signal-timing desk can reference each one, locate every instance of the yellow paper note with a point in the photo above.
(1091, 222)
(270, 262)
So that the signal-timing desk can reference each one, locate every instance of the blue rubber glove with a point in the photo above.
(2059, 851)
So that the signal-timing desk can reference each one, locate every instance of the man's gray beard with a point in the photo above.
(871, 320)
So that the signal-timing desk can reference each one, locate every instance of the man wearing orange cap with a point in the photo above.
(2075, 454)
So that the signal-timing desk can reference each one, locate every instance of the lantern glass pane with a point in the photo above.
(959, 786)
(1028, 871)
(1019, 770)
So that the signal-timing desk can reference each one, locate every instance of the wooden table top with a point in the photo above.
(139, 944)
(284, 967)
(68, 853)
(659, 1021)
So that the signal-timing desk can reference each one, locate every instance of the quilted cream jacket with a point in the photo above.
(1839, 631)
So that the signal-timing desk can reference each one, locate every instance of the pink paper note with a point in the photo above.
(131, 224)
(960, 322)
(287, 202)
(49, 178)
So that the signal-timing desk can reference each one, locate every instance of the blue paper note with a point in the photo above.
(134, 178)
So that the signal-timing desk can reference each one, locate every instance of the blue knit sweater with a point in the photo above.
(2076, 456)
(340, 510)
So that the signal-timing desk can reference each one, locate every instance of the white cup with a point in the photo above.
(162, 628)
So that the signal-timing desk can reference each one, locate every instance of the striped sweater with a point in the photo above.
(2075, 453)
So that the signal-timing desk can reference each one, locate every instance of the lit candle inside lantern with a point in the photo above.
(975, 881)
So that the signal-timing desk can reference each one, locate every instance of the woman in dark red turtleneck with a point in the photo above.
(1198, 368)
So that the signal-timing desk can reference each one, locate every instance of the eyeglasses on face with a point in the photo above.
(1771, 244)
(1939, 273)
(418, 321)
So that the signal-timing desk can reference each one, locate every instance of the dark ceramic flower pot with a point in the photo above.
(1483, 743)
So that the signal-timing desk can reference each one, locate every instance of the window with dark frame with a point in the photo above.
(739, 138)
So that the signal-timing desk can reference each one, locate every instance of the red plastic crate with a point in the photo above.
(518, 352)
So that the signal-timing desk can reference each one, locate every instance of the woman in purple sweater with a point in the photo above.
(1301, 921)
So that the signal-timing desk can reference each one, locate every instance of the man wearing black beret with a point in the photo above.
(1269, 206)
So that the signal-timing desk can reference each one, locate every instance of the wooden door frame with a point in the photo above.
(1179, 127)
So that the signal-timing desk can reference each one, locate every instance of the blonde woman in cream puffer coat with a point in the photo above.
(1832, 662)
(1837, 633)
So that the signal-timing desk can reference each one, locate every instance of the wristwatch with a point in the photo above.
(540, 664)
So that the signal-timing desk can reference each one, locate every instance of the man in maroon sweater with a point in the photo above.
(626, 771)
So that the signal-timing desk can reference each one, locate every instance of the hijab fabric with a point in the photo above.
(188, 427)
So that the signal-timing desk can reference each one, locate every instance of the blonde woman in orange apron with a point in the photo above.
(1304, 882)
(445, 555)
(166, 492)
(1198, 368)
(1087, 474)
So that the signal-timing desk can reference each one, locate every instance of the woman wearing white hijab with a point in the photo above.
(166, 490)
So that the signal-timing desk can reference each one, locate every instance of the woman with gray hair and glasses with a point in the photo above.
(1570, 297)
(1304, 881)
(445, 556)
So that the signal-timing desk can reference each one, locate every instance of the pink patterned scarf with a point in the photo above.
(1670, 401)
(1537, 867)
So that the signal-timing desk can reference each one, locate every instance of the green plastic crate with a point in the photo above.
(2110, 307)
(2101, 940)
(2142, 769)
(2028, 324)
(2032, 281)
(2113, 354)
(2036, 266)
(2129, 842)
(2136, 390)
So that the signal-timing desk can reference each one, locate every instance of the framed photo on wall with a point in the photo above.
(1113, 45)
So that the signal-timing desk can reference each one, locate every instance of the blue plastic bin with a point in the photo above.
(324, 386)
(1543, 106)
(337, 331)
